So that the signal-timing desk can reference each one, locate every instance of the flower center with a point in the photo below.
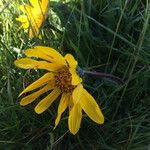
(63, 80)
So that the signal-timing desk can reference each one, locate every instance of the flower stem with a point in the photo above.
(104, 75)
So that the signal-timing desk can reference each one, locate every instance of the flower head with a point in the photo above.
(33, 16)
(61, 78)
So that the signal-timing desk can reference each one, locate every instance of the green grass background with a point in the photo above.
(111, 36)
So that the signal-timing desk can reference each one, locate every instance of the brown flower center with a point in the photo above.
(63, 80)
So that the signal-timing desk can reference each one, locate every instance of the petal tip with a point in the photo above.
(102, 120)
(54, 128)
(20, 94)
(15, 62)
(22, 103)
(73, 132)
(37, 110)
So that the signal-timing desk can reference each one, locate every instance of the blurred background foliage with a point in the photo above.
(111, 36)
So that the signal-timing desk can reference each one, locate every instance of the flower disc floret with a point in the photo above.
(63, 80)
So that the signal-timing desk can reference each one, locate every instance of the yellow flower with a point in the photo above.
(33, 16)
(61, 78)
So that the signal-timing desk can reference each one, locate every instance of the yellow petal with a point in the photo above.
(25, 30)
(35, 22)
(25, 26)
(91, 108)
(35, 14)
(41, 81)
(35, 25)
(28, 63)
(74, 120)
(31, 34)
(75, 78)
(44, 5)
(70, 103)
(47, 101)
(37, 53)
(40, 36)
(71, 61)
(52, 53)
(40, 4)
(44, 2)
(48, 66)
(77, 93)
(30, 98)
(22, 18)
(72, 69)
(34, 28)
(61, 108)
(32, 19)
(35, 3)
(26, 9)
